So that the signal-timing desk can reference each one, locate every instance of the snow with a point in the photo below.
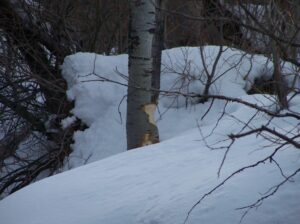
(102, 104)
(159, 184)
(96, 104)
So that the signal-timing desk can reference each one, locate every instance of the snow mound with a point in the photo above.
(97, 84)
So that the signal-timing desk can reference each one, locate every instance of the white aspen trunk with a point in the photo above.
(140, 125)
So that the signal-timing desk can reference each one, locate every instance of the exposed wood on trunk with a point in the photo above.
(140, 126)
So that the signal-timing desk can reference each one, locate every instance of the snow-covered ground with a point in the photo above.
(102, 104)
(159, 184)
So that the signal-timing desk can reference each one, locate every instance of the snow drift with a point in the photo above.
(159, 184)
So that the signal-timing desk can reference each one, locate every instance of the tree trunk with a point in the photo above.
(280, 85)
(140, 125)
(157, 47)
(276, 26)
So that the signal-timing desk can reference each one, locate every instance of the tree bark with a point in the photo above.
(140, 126)
(157, 47)
(280, 85)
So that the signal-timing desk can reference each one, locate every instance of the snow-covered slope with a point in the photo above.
(159, 184)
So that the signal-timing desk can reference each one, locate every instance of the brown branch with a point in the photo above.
(24, 113)
(229, 177)
(271, 131)
(195, 95)
(274, 189)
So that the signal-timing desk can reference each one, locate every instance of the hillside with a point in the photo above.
(160, 184)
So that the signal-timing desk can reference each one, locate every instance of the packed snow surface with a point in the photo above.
(159, 184)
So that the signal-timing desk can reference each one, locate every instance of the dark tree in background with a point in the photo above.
(33, 93)
(35, 37)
